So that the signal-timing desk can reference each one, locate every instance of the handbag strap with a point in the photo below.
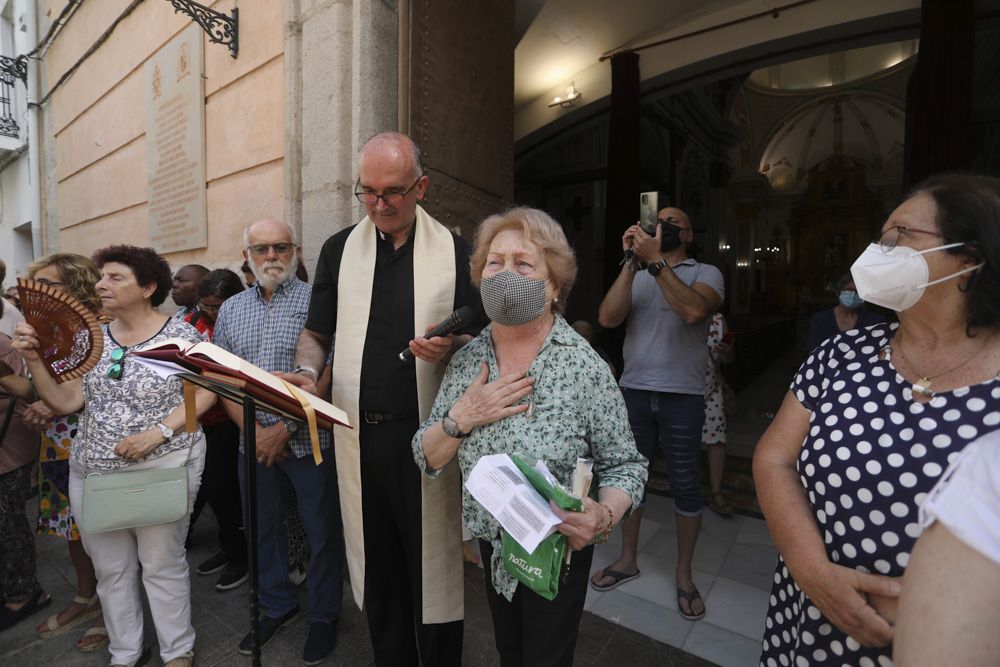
(84, 427)
(7, 418)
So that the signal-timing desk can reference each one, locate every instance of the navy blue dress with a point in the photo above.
(871, 456)
(823, 325)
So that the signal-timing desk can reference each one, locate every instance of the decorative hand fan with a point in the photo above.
(69, 336)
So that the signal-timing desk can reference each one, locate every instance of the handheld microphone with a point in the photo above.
(448, 325)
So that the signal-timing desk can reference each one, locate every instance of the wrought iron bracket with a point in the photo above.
(221, 29)
(16, 67)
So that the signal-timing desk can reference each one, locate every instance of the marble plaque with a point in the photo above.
(175, 143)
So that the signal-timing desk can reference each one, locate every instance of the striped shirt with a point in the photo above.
(265, 333)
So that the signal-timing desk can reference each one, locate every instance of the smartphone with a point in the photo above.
(649, 206)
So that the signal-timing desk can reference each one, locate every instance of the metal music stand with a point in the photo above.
(250, 463)
(250, 407)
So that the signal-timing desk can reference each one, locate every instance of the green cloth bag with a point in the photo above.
(540, 571)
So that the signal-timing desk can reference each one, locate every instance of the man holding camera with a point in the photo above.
(668, 299)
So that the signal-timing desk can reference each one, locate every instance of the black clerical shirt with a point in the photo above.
(387, 384)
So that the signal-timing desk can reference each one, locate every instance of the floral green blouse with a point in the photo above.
(579, 412)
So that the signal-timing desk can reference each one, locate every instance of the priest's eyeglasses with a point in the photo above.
(392, 199)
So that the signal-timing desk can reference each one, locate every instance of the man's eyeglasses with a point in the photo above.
(890, 238)
(208, 309)
(261, 249)
(116, 369)
(393, 199)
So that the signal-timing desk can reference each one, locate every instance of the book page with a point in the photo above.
(165, 369)
(222, 357)
(168, 344)
(503, 490)
(226, 358)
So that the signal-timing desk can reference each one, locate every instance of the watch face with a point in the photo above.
(450, 427)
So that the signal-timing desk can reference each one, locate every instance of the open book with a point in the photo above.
(231, 376)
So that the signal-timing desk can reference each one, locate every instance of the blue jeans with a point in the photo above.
(675, 420)
(319, 506)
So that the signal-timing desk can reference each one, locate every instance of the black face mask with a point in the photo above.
(670, 237)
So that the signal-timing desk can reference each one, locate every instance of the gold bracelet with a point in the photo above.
(606, 533)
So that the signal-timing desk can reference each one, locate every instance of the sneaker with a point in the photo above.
(319, 644)
(268, 628)
(298, 575)
(214, 564)
(233, 576)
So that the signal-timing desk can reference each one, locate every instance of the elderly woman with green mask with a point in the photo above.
(530, 384)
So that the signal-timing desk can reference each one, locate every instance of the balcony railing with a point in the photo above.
(10, 69)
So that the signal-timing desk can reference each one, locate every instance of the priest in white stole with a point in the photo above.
(379, 286)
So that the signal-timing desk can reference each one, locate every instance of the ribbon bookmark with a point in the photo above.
(190, 407)
(310, 412)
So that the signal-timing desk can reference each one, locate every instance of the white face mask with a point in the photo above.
(896, 279)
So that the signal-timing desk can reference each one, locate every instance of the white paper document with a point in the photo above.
(165, 369)
(508, 495)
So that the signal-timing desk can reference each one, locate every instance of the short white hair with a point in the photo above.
(291, 231)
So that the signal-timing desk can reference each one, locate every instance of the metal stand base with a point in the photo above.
(250, 461)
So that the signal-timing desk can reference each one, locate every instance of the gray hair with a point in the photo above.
(291, 231)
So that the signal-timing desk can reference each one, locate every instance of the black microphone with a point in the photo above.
(450, 324)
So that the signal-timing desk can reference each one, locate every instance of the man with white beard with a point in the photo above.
(262, 325)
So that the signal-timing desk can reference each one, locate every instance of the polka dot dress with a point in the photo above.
(713, 431)
(871, 456)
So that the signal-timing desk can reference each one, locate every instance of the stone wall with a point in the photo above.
(95, 128)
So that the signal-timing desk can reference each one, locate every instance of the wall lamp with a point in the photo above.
(568, 100)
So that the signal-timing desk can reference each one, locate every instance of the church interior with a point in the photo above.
(787, 156)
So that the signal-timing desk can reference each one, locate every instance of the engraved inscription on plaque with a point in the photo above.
(175, 143)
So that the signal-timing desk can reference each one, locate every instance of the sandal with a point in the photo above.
(183, 660)
(51, 627)
(9, 617)
(690, 597)
(84, 646)
(719, 504)
(142, 660)
(618, 577)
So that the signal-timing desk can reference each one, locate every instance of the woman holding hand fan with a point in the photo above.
(120, 398)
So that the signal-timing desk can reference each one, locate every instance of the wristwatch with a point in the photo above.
(654, 269)
(165, 430)
(451, 428)
(291, 427)
(299, 370)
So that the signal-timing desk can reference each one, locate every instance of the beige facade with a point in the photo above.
(97, 189)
